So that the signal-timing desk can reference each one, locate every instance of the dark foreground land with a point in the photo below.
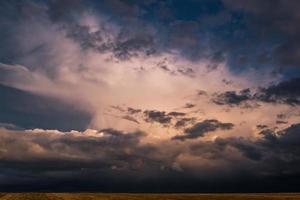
(101, 196)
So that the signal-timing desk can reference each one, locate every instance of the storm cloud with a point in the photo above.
(149, 96)
(48, 154)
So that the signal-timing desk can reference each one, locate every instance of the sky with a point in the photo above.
(150, 95)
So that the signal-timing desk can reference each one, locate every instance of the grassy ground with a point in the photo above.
(100, 196)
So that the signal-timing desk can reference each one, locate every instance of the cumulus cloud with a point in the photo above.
(29, 156)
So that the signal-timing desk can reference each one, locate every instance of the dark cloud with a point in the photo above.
(157, 116)
(183, 122)
(289, 136)
(189, 105)
(287, 92)
(88, 39)
(176, 114)
(282, 143)
(270, 19)
(281, 116)
(163, 65)
(270, 158)
(287, 54)
(232, 98)
(201, 128)
(9, 126)
(130, 118)
(281, 122)
(210, 32)
(28, 110)
(261, 126)
(201, 92)
(184, 34)
(248, 149)
(112, 160)
(65, 10)
(133, 110)
(176, 119)
(245, 35)
(123, 10)
(65, 16)
(126, 45)
(186, 72)
(111, 143)
(129, 47)
(216, 59)
(227, 82)
(59, 157)
(118, 108)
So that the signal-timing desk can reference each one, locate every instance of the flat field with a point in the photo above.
(114, 196)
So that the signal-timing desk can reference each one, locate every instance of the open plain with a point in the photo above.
(114, 196)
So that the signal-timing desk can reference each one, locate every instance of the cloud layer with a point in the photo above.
(163, 96)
